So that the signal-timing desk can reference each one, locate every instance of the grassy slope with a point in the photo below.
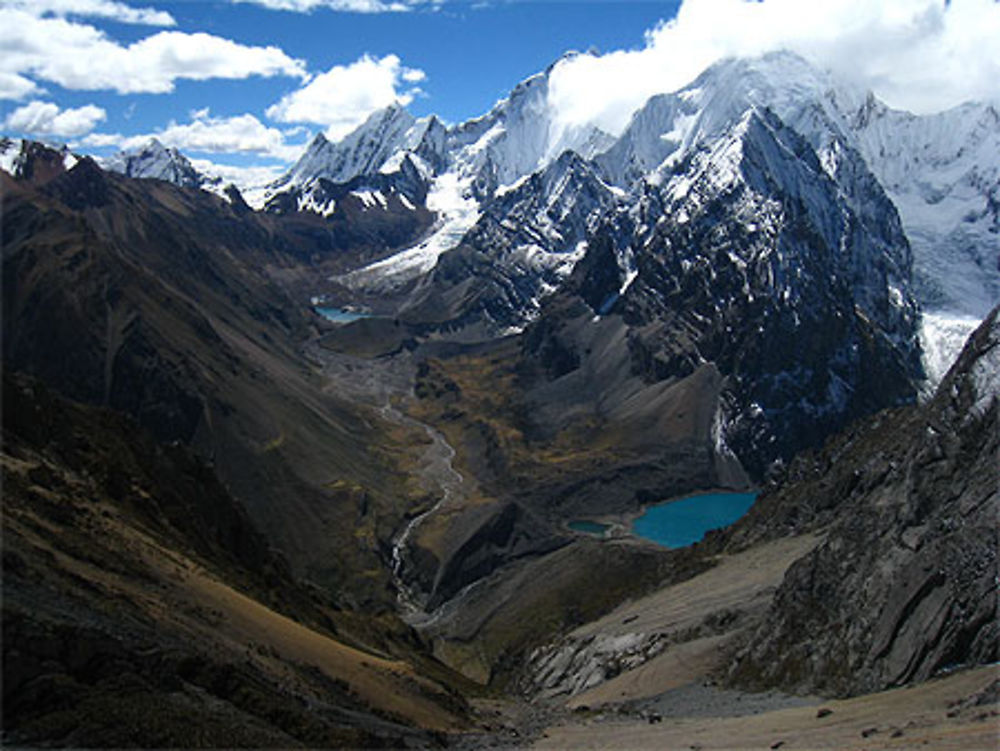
(135, 587)
(162, 303)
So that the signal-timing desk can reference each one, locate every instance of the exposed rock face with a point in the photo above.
(32, 162)
(521, 249)
(904, 585)
(479, 542)
(749, 256)
(571, 667)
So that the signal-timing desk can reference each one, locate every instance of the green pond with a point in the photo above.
(591, 528)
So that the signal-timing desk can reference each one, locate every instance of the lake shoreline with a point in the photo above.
(619, 526)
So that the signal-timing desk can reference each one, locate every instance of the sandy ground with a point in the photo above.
(739, 588)
(744, 581)
(933, 715)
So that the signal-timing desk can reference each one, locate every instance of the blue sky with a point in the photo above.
(248, 82)
(471, 55)
(465, 55)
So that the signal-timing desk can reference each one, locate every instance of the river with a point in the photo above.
(381, 383)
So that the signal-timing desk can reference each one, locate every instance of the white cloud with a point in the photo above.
(240, 134)
(106, 9)
(47, 119)
(79, 56)
(921, 55)
(14, 86)
(340, 99)
(242, 177)
(352, 6)
(100, 140)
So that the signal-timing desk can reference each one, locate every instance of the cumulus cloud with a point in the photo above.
(239, 134)
(920, 55)
(14, 86)
(100, 140)
(79, 56)
(352, 6)
(47, 119)
(241, 177)
(105, 9)
(343, 97)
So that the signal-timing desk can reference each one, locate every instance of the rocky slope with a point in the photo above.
(757, 309)
(870, 565)
(188, 313)
(144, 601)
(903, 586)
(730, 274)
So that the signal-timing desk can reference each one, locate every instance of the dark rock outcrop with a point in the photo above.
(904, 585)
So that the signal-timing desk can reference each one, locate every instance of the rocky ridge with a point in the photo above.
(903, 586)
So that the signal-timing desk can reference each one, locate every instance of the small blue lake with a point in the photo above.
(339, 315)
(677, 524)
(591, 528)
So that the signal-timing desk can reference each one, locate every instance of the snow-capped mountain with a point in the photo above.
(720, 233)
(524, 245)
(750, 256)
(391, 152)
(30, 160)
(155, 161)
(520, 135)
(503, 170)
(454, 171)
(941, 171)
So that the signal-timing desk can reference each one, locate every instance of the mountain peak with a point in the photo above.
(155, 145)
(155, 161)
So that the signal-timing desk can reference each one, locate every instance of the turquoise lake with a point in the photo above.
(338, 315)
(679, 523)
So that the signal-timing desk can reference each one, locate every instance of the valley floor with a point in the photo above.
(955, 712)
(670, 700)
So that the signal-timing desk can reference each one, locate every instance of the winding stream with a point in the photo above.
(436, 467)
(378, 382)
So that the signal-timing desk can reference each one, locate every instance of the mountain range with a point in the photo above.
(940, 172)
(765, 281)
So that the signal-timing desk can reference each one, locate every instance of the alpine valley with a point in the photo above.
(351, 459)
